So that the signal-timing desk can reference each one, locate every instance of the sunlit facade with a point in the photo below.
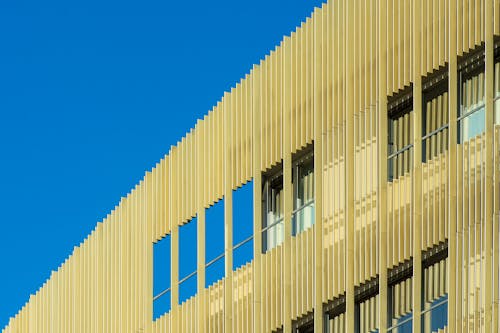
(371, 139)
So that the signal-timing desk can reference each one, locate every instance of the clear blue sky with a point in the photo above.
(92, 94)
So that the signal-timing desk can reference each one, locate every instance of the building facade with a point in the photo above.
(371, 135)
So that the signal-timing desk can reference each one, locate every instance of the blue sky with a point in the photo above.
(92, 94)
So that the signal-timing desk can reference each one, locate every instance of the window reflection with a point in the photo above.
(303, 203)
(400, 307)
(435, 297)
(471, 112)
(272, 228)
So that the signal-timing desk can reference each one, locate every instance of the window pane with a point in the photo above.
(400, 139)
(472, 107)
(277, 205)
(472, 125)
(273, 236)
(274, 213)
(303, 216)
(367, 315)
(400, 306)
(336, 324)
(403, 324)
(434, 122)
(435, 293)
(436, 317)
(305, 190)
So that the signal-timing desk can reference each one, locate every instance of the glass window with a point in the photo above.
(303, 189)
(400, 307)
(161, 277)
(273, 206)
(243, 225)
(335, 323)
(367, 315)
(471, 111)
(435, 122)
(400, 140)
(305, 328)
(435, 297)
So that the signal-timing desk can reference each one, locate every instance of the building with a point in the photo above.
(354, 230)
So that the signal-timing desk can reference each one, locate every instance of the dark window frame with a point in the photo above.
(303, 160)
(435, 85)
(471, 64)
(399, 106)
(272, 181)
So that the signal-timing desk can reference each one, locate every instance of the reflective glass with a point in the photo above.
(436, 317)
(472, 125)
(303, 215)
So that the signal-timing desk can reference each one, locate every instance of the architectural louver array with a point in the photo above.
(397, 103)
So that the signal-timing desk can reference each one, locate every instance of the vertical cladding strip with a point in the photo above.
(174, 246)
(266, 145)
(287, 187)
(489, 160)
(497, 17)
(100, 269)
(496, 209)
(123, 270)
(340, 174)
(417, 165)
(349, 161)
(452, 170)
(201, 234)
(327, 169)
(318, 172)
(228, 213)
(382, 163)
(257, 200)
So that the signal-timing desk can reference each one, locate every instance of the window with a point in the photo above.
(367, 315)
(304, 324)
(335, 316)
(214, 244)
(400, 137)
(435, 297)
(471, 114)
(335, 323)
(435, 118)
(243, 225)
(303, 194)
(273, 206)
(187, 260)
(305, 328)
(161, 277)
(400, 307)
